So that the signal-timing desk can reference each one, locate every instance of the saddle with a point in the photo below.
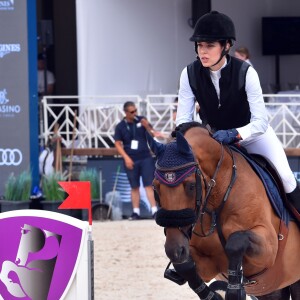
(271, 180)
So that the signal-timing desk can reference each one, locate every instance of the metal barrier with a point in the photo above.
(97, 116)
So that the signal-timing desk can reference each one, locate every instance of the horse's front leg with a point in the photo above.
(236, 247)
(188, 271)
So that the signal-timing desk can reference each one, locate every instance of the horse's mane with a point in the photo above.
(184, 127)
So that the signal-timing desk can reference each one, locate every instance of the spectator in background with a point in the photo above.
(44, 76)
(243, 54)
(131, 144)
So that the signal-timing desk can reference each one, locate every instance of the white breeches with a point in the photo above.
(269, 146)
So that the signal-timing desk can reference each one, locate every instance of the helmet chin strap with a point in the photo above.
(224, 52)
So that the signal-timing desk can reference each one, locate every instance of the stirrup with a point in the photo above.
(172, 275)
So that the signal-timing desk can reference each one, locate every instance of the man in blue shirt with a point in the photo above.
(131, 144)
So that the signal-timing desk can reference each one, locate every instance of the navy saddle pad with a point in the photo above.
(272, 187)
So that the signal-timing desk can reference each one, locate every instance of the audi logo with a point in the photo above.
(10, 157)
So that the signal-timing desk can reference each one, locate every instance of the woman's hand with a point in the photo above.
(227, 136)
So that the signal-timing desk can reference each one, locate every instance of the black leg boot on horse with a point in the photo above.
(237, 245)
(188, 271)
(294, 202)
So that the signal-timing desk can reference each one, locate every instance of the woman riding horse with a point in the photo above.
(230, 98)
(219, 222)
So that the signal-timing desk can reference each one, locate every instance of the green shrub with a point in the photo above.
(52, 191)
(92, 176)
(18, 188)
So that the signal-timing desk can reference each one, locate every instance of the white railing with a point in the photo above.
(97, 116)
(284, 116)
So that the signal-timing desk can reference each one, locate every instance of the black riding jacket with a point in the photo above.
(233, 111)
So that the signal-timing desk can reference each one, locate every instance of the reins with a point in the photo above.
(215, 214)
(200, 214)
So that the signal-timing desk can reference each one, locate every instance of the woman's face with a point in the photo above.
(209, 53)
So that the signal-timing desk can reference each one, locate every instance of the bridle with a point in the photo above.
(201, 202)
(215, 214)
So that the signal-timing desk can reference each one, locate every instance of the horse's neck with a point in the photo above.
(216, 166)
(209, 157)
(213, 159)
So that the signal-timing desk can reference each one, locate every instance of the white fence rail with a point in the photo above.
(97, 116)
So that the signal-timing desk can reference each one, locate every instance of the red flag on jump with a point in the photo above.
(79, 196)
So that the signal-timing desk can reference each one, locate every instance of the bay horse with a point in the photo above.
(219, 222)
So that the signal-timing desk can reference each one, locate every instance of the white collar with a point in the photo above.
(218, 72)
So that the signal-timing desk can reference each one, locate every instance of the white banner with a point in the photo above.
(132, 47)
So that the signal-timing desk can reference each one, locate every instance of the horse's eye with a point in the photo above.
(192, 186)
(156, 195)
(154, 187)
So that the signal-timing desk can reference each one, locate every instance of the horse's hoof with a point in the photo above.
(220, 286)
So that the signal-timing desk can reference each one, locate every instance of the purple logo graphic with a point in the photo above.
(37, 257)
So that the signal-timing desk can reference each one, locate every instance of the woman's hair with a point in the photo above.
(243, 51)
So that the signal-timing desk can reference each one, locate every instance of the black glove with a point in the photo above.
(227, 136)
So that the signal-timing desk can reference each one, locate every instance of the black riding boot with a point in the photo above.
(294, 202)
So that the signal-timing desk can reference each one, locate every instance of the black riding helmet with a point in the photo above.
(214, 26)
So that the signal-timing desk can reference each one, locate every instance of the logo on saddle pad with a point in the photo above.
(38, 256)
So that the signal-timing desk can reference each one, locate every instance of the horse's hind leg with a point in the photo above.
(283, 294)
(188, 271)
(290, 292)
(236, 246)
(295, 290)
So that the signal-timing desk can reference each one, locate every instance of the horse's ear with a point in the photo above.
(156, 147)
(182, 144)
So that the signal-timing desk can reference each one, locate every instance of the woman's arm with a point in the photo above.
(259, 119)
(186, 100)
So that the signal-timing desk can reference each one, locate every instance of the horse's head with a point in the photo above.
(176, 192)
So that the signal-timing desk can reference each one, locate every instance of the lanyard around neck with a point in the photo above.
(133, 131)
